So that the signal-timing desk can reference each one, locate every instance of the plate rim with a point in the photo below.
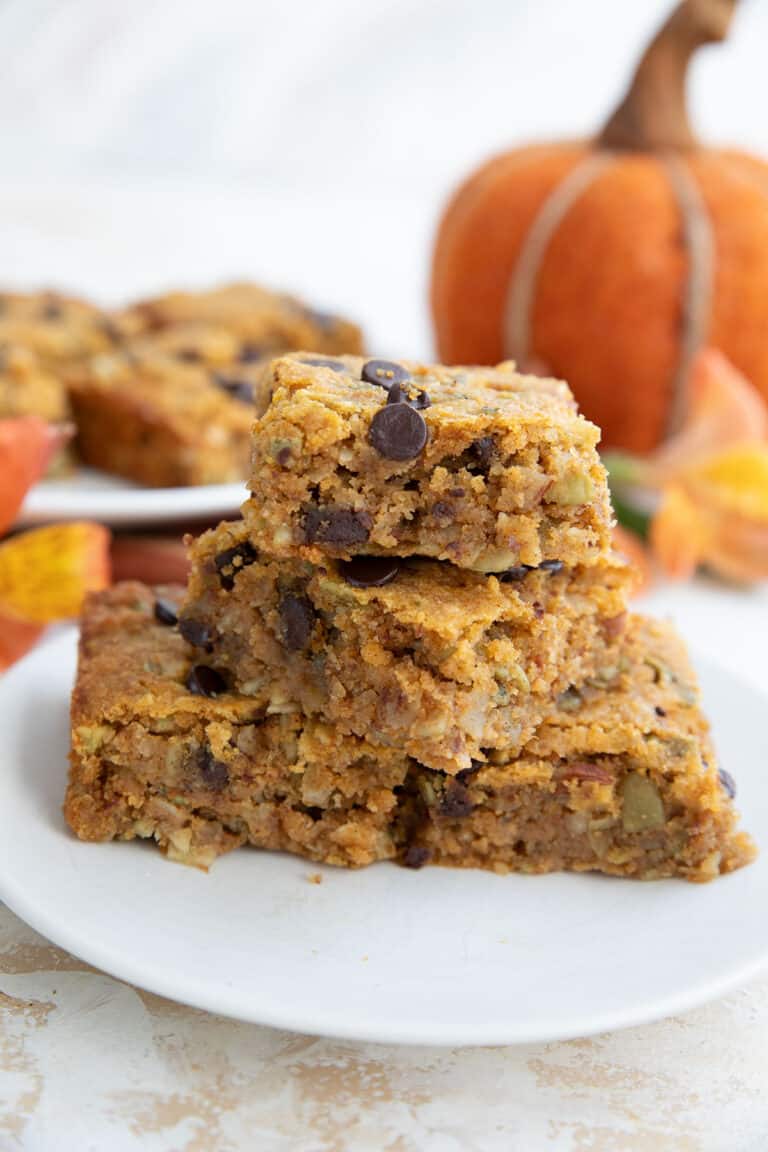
(50, 501)
(219, 998)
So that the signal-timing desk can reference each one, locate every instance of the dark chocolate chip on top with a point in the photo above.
(398, 432)
(406, 392)
(369, 571)
(385, 373)
(551, 566)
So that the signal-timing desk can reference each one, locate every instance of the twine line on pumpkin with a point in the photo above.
(697, 298)
(522, 286)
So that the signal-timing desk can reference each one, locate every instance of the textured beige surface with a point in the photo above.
(89, 1063)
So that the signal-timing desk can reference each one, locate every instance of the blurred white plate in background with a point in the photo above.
(91, 495)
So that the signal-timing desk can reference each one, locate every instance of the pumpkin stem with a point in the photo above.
(653, 115)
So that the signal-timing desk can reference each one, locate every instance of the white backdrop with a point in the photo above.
(309, 142)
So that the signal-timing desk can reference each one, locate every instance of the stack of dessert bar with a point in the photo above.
(414, 645)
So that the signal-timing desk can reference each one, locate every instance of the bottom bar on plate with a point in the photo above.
(621, 779)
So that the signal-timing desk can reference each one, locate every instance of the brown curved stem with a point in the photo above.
(653, 115)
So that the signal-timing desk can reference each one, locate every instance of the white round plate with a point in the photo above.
(438, 956)
(90, 495)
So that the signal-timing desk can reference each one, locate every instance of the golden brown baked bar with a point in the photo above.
(482, 467)
(262, 322)
(60, 329)
(621, 780)
(162, 422)
(440, 661)
(154, 756)
(28, 388)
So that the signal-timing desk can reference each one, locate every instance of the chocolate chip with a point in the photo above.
(233, 560)
(660, 711)
(188, 355)
(415, 856)
(297, 619)
(483, 451)
(551, 566)
(369, 571)
(234, 386)
(417, 397)
(284, 456)
(727, 781)
(466, 774)
(515, 574)
(385, 373)
(324, 362)
(205, 681)
(196, 633)
(165, 612)
(442, 510)
(398, 432)
(538, 609)
(250, 353)
(214, 772)
(456, 803)
(342, 527)
(52, 311)
(408, 393)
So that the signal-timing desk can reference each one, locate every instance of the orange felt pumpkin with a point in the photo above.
(611, 262)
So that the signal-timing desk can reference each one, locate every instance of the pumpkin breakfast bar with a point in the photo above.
(162, 422)
(159, 751)
(442, 662)
(243, 322)
(621, 779)
(483, 467)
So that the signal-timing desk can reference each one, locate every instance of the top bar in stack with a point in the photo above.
(483, 467)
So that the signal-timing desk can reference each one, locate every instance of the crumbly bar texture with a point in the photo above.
(59, 329)
(28, 388)
(162, 422)
(262, 323)
(483, 467)
(622, 779)
(201, 774)
(442, 662)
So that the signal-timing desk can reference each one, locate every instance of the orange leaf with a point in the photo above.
(27, 445)
(16, 638)
(45, 573)
(724, 410)
(677, 535)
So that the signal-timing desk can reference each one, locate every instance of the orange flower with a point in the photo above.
(712, 479)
